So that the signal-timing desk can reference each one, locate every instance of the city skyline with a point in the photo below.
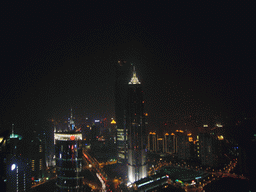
(76, 114)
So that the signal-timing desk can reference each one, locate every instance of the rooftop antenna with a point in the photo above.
(12, 129)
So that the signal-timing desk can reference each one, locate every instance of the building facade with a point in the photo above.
(69, 162)
(173, 143)
(183, 146)
(68, 152)
(121, 88)
(152, 141)
(135, 123)
(18, 173)
(167, 143)
(205, 149)
(37, 158)
(14, 164)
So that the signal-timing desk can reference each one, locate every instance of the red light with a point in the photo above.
(72, 137)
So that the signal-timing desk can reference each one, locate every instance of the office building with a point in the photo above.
(167, 143)
(113, 131)
(36, 154)
(135, 123)
(160, 145)
(18, 173)
(15, 165)
(206, 149)
(183, 146)
(68, 152)
(173, 143)
(152, 141)
(121, 87)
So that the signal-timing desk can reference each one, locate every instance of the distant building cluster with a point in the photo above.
(207, 148)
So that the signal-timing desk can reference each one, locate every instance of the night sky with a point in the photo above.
(192, 59)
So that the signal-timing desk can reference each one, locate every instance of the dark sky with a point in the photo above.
(193, 59)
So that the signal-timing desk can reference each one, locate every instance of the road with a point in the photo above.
(215, 174)
(94, 166)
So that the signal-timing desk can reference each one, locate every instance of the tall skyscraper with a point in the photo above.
(135, 123)
(37, 157)
(121, 87)
(68, 151)
(15, 166)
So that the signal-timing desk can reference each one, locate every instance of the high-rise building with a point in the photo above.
(113, 131)
(37, 158)
(206, 149)
(152, 141)
(173, 143)
(167, 144)
(18, 173)
(121, 87)
(15, 166)
(135, 123)
(95, 131)
(68, 151)
(160, 145)
(183, 146)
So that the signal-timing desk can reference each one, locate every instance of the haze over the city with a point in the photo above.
(192, 59)
(127, 96)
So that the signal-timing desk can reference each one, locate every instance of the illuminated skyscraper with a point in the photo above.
(71, 122)
(15, 167)
(135, 123)
(68, 151)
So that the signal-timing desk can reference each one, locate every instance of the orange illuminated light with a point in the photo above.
(113, 122)
(72, 137)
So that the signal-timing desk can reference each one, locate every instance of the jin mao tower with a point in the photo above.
(135, 123)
